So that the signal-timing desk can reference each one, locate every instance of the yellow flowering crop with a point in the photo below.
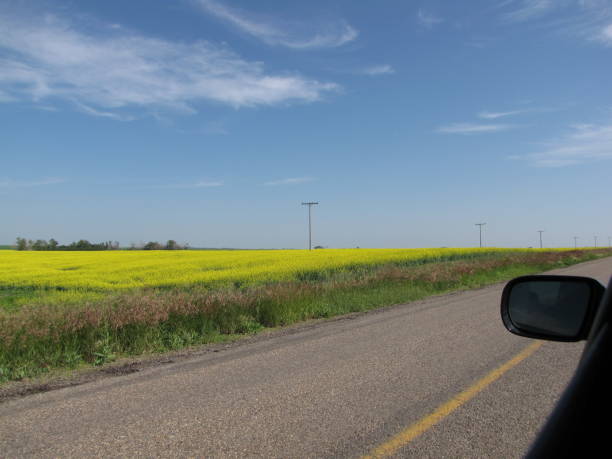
(74, 273)
(114, 270)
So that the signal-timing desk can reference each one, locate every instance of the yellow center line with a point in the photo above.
(413, 431)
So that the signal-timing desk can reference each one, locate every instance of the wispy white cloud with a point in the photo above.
(584, 143)
(585, 19)
(103, 114)
(207, 184)
(529, 9)
(494, 115)
(473, 128)
(379, 70)
(274, 32)
(428, 19)
(113, 71)
(196, 185)
(605, 36)
(290, 181)
(558, 162)
(7, 183)
(529, 109)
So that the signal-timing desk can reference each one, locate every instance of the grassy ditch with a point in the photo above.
(36, 339)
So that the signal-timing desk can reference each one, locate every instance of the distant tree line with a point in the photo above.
(170, 245)
(52, 244)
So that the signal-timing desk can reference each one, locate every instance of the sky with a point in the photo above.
(210, 122)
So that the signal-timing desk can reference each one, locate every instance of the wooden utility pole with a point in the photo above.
(309, 204)
(480, 225)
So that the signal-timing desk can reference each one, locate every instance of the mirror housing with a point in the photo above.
(554, 308)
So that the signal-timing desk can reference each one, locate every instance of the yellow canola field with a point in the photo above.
(120, 270)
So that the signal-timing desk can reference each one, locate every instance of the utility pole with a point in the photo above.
(309, 204)
(540, 231)
(595, 237)
(609, 241)
(575, 242)
(480, 225)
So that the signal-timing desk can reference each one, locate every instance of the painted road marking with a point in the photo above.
(410, 433)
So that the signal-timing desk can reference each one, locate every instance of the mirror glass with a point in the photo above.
(549, 307)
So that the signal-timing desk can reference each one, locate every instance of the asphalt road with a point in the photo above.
(340, 388)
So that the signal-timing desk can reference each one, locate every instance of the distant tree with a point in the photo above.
(40, 244)
(319, 247)
(152, 245)
(52, 245)
(22, 243)
(82, 244)
(172, 245)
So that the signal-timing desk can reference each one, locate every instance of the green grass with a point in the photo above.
(34, 340)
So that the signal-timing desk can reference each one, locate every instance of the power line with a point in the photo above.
(480, 225)
(309, 204)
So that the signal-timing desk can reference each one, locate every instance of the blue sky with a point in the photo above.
(210, 121)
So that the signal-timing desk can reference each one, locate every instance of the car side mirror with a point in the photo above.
(556, 308)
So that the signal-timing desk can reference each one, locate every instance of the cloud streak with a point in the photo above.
(427, 19)
(605, 36)
(108, 74)
(584, 143)
(473, 128)
(102, 114)
(290, 181)
(272, 33)
(590, 20)
(197, 185)
(495, 115)
(530, 9)
(379, 70)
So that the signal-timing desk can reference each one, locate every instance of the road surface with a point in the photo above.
(342, 388)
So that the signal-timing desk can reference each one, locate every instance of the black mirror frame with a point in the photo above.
(597, 292)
